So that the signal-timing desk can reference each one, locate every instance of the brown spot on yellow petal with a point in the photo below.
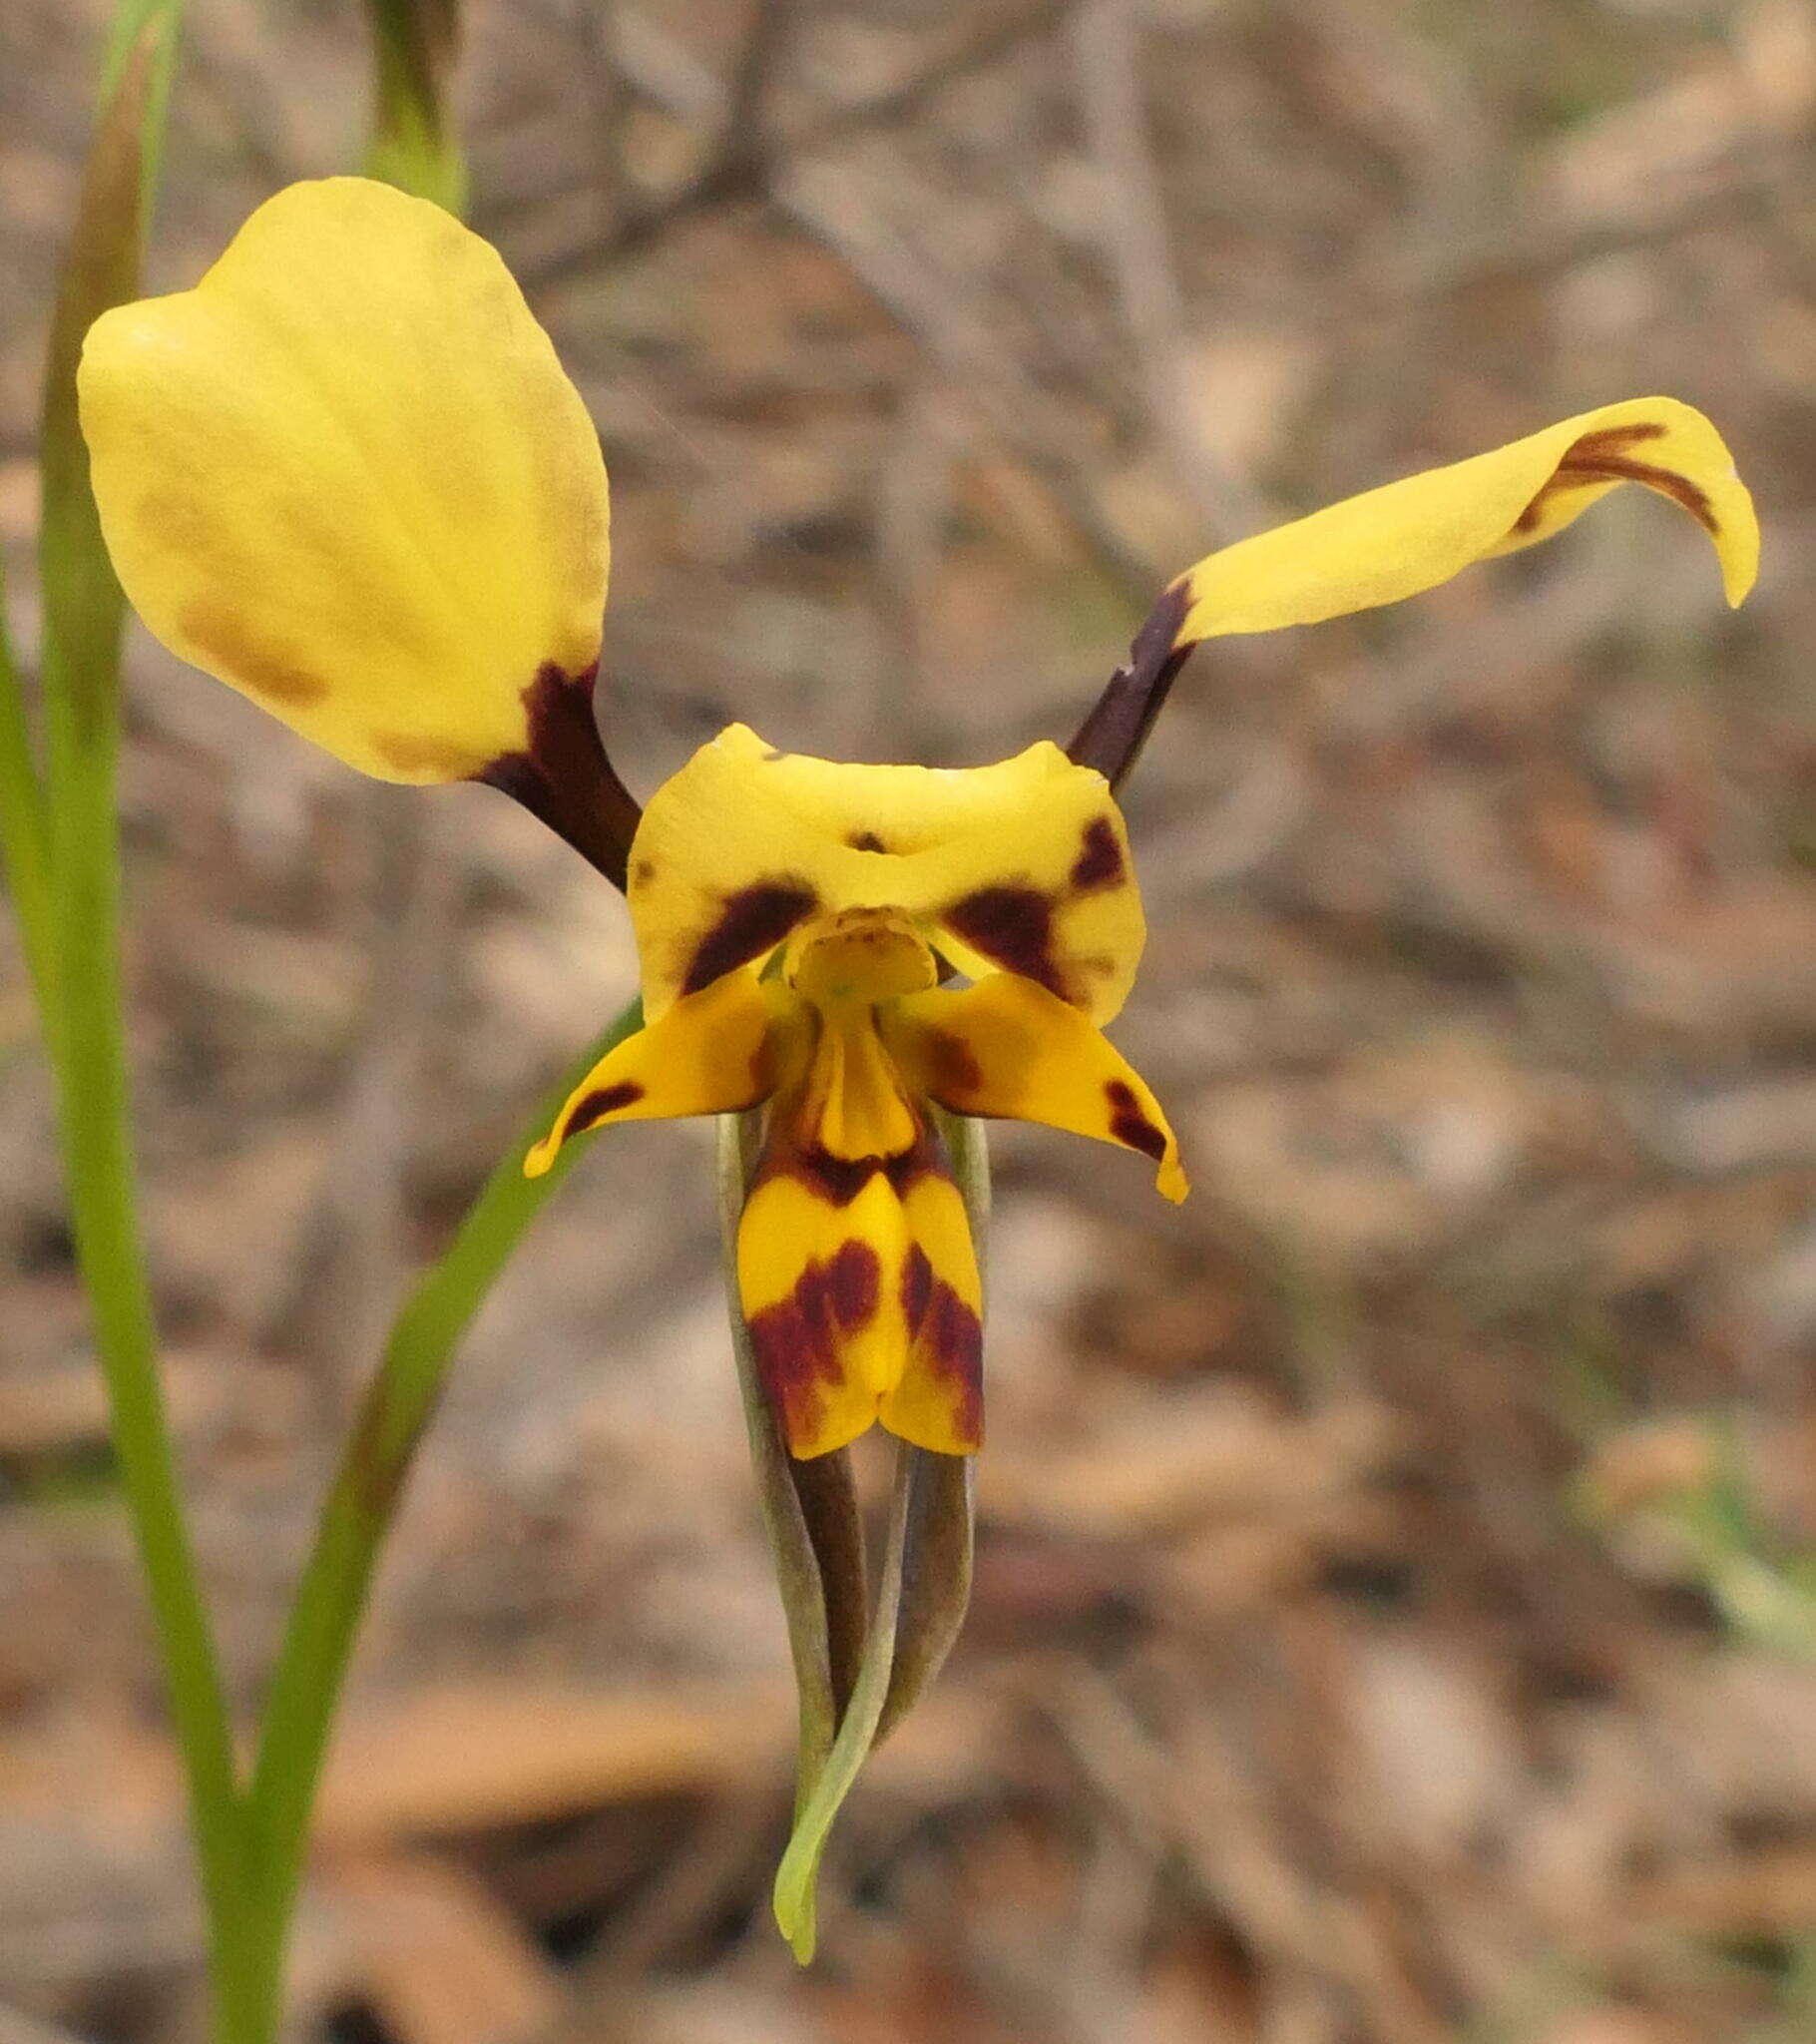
(1127, 1124)
(1601, 458)
(1012, 925)
(839, 1179)
(753, 920)
(798, 1343)
(217, 634)
(1100, 859)
(603, 1100)
(950, 1335)
(866, 840)
(645, 871)
(953, 1070)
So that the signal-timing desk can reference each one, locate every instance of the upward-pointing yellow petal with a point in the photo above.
(347, 474)
(1413, 534)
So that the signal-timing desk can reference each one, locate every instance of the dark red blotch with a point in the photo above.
(797, 1341)
(753, 920)
(603, 1100)
(1014, 926)
(1100, 859)
(950, 1335)
(1127, 1124)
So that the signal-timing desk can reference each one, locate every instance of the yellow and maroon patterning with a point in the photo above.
(856, 1270)
(347, 474)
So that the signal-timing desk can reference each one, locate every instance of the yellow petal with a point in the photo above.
(860, 1289)
(347, 474)
(1006, 1048)
(1021, 864)
(718, 1052)
(1411, 535)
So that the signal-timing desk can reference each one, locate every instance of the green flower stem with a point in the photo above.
(95, 1112)
(64, 861)
(358, 1512)
(25, 863)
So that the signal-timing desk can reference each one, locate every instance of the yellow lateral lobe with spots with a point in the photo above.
(1006, 1048)
(719, 1051)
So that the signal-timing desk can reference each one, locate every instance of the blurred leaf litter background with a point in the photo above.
(1395, 1610)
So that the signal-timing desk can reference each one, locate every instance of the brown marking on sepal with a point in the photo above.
(217, 633)
(1013, 926)
(604, 1100)
(563, 774)
(1601, 457)
(1100, 860)
(953, 1072)
(752, 921)
(950, 1335)
(1112, 734)
(1127, 1124)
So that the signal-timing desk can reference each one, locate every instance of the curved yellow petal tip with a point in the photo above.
(347, 475)
(1170, 1180)
(540, 1156)
(1414, 534)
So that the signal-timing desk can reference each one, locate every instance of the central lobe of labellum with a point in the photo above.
(562, 774)
(799, 1342)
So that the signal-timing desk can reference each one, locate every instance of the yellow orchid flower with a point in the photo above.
(855, 1267)
(347, 475)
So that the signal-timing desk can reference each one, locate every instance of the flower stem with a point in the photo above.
(90, 1054)
(356, 1516)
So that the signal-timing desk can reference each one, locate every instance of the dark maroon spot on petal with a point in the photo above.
(953, 1070)
(1600, 459)
(852, 1283)
(753, 920)
(562, 774)
(798, 1342)
(917, 1286)
(866, 840)
(603, 1100)
(839, 1179)
(1127, 1124)
(1100, 859)
(1012, 926)
(949, 1334)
